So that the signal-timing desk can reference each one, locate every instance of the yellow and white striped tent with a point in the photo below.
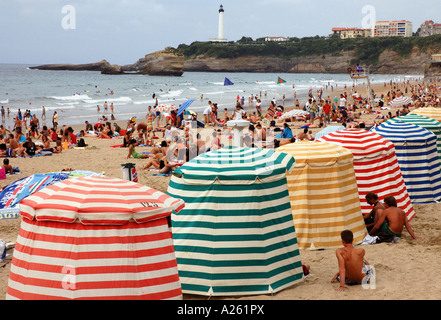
(431, 112)
(323, 194)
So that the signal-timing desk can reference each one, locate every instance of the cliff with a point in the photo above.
(389, 62)
(158, 63)
(103, 66)
(165, 63)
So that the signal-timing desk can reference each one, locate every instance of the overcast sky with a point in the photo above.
(122, 31)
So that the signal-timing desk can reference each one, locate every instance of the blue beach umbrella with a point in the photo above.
(184, 106)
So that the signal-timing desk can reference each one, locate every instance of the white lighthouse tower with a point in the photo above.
(220, 37)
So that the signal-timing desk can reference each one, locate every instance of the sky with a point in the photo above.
(123, 31)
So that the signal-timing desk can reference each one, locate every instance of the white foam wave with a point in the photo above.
(265, 82)
(171, 94)
(4, 101)
(109, 100)
(72, 97)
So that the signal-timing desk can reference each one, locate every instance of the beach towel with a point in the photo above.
(270, 113)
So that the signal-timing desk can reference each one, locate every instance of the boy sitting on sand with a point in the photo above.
(353, 269)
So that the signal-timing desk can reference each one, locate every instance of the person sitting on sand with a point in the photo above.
(353, 269)
(304, 135)
(372, 217)
(142, 131)
(14, 149)
(133, 153)
(8, 168)
(107, 132)
(287, 132)
(390, 223)
(154, 159)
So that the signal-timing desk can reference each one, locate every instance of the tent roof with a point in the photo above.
(431, 112)
(317, 154)
(234, 165)
(405, 132)
(420, 120)
(98, 201)
(362, 143)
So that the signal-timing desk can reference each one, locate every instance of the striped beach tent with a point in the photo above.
(430, 112)
(323, 194)
(236, 234)
(418, 159)
(375, 165)
(330, 128)
(430, 124)
(95, 238)
(400, 101)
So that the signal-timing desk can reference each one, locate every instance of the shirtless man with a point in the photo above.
(351, 263)
(391, 222)
(372, 217)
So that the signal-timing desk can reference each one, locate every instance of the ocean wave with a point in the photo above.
(72, 97)
(4, 101)
(67, 103)
(265, 82)
(171, 94)
(110, 100)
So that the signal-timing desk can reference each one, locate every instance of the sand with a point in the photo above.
(406, 270)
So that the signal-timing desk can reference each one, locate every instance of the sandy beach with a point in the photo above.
(406, 270)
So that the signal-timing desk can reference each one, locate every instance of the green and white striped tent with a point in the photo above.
(236, 235)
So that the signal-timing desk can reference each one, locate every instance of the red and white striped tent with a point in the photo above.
(95, 238)
(376, 167)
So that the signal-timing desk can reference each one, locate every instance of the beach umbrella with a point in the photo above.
(375, 165)
(95, 238)
(417, 156)
(184, 107)
(236, 234)
(400, 101)
(427, 123)
(12, 194)
(292, 113)
(323, 194)
(328, 129)
(430, 112)
(166, 108)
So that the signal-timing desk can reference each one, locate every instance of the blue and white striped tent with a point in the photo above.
(236, 234)
(427, 123)
(417, 156)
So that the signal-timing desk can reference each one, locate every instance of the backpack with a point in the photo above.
(82, 143)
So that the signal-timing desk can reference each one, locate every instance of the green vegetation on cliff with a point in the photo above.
(366, 50)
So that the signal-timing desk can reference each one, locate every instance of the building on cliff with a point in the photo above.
(346, 33)
(429, 28)
(401, 28)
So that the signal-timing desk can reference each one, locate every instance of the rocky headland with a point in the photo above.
(170, 63)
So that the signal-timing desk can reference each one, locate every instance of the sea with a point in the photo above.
(76, 95)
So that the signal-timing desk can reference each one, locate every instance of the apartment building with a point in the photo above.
(400, 28)
(429, 28)
(345, 33)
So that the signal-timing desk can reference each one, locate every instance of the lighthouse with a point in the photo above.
(220, 37)
(221, 22)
